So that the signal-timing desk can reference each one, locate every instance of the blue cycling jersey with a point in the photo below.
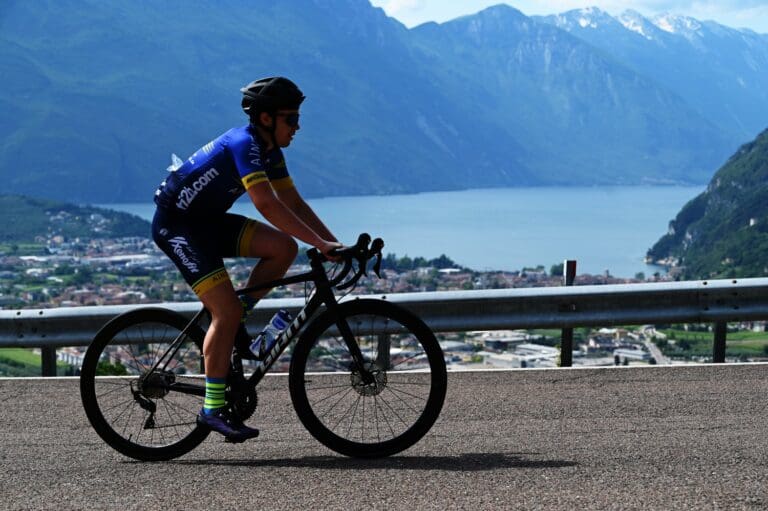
(212, 179)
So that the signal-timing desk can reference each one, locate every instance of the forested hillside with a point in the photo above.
(25, 219)
(724, 231)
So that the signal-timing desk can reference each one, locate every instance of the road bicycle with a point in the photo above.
(367, 378)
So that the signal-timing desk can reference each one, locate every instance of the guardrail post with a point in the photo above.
(718, 351)
(566, 337)
(48, 358)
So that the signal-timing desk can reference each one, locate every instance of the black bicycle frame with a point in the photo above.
(323, 295)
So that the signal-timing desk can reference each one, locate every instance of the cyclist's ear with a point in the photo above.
(266, 119)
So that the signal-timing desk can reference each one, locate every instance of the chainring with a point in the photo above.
(245, 404)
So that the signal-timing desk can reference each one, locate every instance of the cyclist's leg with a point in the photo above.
(224, 306)
(275, 249)
(194, 246)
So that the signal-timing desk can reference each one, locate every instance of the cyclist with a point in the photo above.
(192, 226)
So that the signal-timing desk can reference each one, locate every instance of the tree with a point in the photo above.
(83, 275)
(108, 369)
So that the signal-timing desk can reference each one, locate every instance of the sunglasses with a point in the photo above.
(292, 119)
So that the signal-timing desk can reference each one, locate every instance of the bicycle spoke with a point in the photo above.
(362, 422)
(396, 390)
(128, 420)
(409, 383)
(173, 411)
(393, 410)
(343, 387)
(337, 402)
(121, 387)
(124, 383)
(403, 401)
(128, 348)
(353, 405)
(376, 418)
(130, 400)
(389, 424)
(178, 407)
(168, 412)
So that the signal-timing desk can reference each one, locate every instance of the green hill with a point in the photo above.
(26, 220)
(723, 232)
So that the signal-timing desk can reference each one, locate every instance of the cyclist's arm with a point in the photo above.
(296, 203)
(279, 215)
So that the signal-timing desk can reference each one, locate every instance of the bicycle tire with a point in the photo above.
(409, 380)
(113, 393)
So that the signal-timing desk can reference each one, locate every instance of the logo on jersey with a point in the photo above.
(254, 153)
(179, 244)
(188, 193)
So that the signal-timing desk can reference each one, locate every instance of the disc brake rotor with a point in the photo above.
(373, 388)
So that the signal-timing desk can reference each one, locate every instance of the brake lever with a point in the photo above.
(376, 247)
(377, 266)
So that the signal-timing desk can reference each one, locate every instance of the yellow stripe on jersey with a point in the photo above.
(210, 281)
(244, 240)
(284, 183)
(254, 178)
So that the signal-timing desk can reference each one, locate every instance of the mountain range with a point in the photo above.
(98, 94)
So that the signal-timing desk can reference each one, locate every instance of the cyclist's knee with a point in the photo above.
(285, 248)
(229, 315)
(225, 309)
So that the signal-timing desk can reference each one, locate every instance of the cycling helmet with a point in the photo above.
(270, 95)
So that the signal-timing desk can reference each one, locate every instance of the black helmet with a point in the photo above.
(270, 95)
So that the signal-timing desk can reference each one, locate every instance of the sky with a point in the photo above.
(752, 14)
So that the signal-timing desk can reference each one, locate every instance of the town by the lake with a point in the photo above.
(59, 272)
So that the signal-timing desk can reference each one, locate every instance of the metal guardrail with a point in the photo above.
(713, 301)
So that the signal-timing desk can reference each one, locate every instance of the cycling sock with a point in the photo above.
(214, 394)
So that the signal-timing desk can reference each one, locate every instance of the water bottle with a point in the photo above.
(266, 339)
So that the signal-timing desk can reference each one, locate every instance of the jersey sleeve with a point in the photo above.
(277, 173)
(250, 162)
(255, 166)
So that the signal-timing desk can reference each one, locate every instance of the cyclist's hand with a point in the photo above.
(327, 247)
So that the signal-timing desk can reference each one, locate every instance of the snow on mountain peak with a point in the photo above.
(636, 22)
(588, 17)
(675, 24)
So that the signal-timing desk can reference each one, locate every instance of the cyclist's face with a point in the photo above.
(286, 127)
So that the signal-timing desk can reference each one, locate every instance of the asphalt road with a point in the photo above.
(613, 438)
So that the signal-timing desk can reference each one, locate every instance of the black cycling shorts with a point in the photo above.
(198, 246)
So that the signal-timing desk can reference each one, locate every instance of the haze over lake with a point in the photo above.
(603, 228)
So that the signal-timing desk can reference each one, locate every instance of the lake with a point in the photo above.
(602, 228)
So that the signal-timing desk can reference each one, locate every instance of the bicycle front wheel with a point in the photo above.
(387, 407)
(138, 411)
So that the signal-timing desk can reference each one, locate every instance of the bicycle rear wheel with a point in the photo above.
(390, 411)
(138, 412)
